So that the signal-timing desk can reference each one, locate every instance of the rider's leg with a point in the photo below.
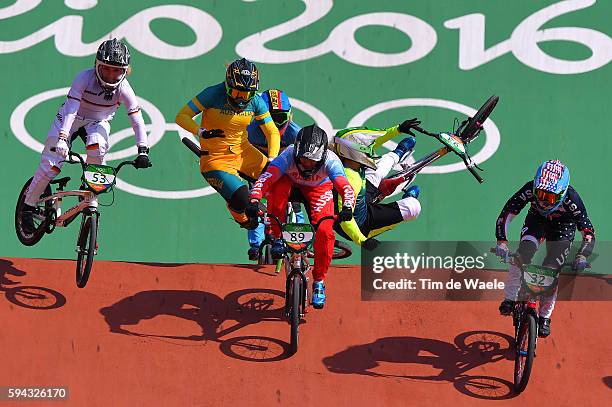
(383, 217)
(532, 234)
(557, 252)
(49, 167)
(320, 199)
(96, 142)
(383, 167)
(231, 188)
(277, 197)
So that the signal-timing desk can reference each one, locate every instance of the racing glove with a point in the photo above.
(406, 126)
(61, 146)
(501, 250)
(208, 134)
(142, 161)
(252, 209)
(345, 214)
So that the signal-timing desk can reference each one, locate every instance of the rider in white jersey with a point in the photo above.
(91, 103)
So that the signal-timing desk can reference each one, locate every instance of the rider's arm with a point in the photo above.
(264, 120)
(583, 223)
(513, 207)
(337, 175)
(67, 112)
(275, 170)
(351, 228)
(128, 98)
(184, 117)
(389, 134)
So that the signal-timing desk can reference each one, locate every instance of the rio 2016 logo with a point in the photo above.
(522, 43)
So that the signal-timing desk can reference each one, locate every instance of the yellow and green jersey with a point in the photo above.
(217, 114)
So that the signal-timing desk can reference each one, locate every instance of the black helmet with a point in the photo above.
(112, 53)
(311, 143)
(241, 83)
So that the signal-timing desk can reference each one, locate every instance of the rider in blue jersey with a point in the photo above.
(280, 109)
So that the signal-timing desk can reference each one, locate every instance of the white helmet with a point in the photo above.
(357, 146)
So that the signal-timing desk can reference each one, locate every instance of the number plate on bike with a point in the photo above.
(453, 142)
(99, 178)
(539, 280)
(298, 236)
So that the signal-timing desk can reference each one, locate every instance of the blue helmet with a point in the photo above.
(279, 107)
(550, 186)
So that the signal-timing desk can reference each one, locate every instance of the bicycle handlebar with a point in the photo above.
(280, 224)
(192, 146)
(84, 164)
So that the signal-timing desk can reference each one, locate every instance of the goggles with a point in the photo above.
(240, 94)
(547, 199)
(280, 118)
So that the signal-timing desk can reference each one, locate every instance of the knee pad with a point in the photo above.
(239, 199)
(527, 248)
(410, 208)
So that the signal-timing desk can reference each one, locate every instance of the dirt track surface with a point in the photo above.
(209, 335)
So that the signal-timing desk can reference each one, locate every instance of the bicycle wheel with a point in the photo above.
(86, 248)
(525, 351)
(341, 250)
(40, 222)
(294, 315)
(474, 125)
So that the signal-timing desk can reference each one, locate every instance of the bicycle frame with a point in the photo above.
(89, 202)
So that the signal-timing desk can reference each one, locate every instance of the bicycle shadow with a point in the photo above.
(470, 350)
(31, 297)
(215, 317)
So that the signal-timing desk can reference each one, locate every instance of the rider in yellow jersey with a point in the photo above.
(227, 156)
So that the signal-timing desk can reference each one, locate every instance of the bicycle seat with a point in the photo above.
(61, 182)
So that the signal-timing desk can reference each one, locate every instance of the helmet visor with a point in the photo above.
(547, 199)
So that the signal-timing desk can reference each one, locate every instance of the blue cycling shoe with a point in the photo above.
(404, 148)
(278, 249)
(413, 192)
(318, 294)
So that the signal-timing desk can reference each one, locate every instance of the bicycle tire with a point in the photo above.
(474, 125)
(294, 315)
(30, 239)
(86, 248)
(341, 250)
(526, 336)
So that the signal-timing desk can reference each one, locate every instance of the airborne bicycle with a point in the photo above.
(96, 179)
(454, 142)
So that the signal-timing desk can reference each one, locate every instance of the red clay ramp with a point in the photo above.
(209, 335)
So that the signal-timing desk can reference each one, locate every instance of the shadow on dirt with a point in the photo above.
(469, 350)
(216, 317)
(31, 297)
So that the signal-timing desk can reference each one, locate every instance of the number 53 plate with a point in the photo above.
(99, 178)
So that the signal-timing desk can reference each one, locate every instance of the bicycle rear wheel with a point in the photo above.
(40, 222)
(474, 125)
(341, 250)
(86, 248)
(294, 314)
(525, 351)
